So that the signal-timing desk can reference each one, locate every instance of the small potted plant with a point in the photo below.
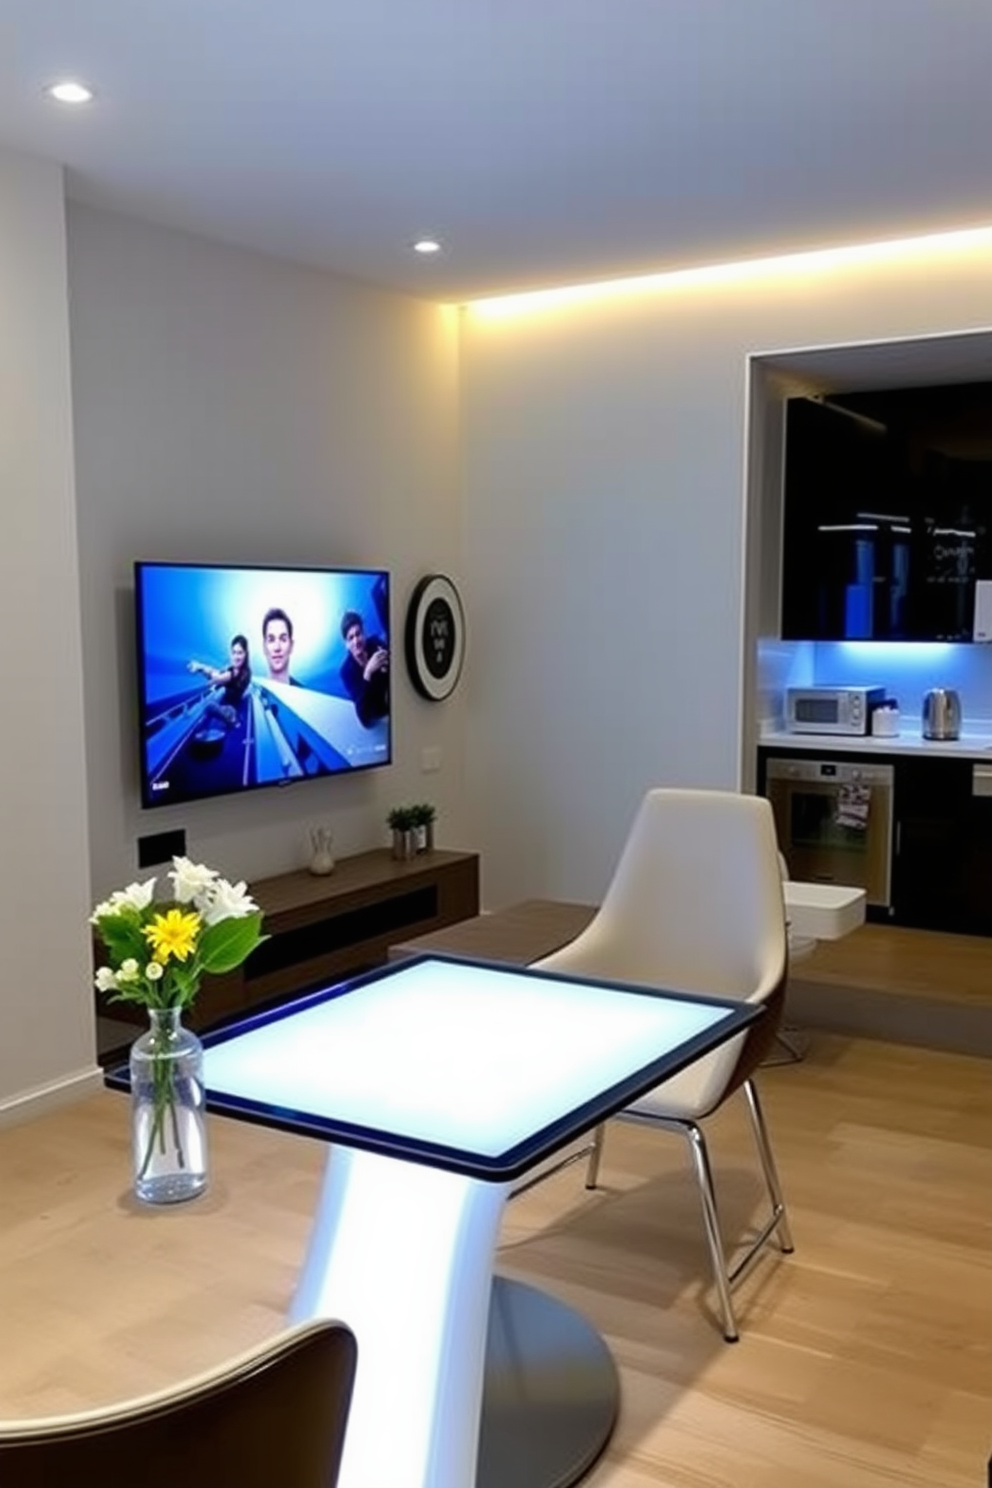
(401, 823)
(424, 816)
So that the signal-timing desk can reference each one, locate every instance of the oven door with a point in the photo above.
(834, 823)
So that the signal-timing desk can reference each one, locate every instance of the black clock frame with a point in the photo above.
(435, 637)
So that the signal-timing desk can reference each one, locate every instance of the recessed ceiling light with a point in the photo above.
(68, 91)
(427, 245)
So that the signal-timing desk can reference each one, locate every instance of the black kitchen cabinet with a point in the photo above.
(978, 868)
(931, 845)
(887, 529)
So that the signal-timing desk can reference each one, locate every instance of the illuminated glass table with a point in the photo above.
(439, 1083)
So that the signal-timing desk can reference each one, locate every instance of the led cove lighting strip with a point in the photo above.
(817, 260)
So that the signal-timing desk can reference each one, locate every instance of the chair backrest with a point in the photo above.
(272, 1418)
(695, 902)
(695, 905)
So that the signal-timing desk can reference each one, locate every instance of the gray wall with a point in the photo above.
(46, 1047)
(232, 408)
(225, 407)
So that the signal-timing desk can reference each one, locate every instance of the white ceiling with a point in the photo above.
(545, 141)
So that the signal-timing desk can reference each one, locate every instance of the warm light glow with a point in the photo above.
(427, 245)
(813, 261)
(70, 92)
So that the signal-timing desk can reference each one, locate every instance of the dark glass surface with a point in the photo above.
(887, 513)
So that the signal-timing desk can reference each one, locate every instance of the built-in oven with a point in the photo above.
(834, 822)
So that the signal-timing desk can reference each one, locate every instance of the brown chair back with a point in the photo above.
(273, 1418)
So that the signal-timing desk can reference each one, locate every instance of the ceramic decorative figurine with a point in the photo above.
(322, 850)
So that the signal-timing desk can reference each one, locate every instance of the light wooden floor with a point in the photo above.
(904, 986)
(865, 1359)
(906, 963)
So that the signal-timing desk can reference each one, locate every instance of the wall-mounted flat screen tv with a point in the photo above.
(252, 676)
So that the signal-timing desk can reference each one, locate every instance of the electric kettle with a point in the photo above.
(941, 713)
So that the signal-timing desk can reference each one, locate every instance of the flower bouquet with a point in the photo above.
(157, 953)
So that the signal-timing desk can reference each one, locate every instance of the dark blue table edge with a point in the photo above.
(509, 1165)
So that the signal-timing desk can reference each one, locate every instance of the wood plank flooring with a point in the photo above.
(906, 986)
(865, 1359)
(906, 963)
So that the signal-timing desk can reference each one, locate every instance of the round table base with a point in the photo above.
(551, 1392)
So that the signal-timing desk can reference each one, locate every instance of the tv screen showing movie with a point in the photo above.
(253, 677)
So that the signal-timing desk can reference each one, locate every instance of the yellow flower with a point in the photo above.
(173, 934)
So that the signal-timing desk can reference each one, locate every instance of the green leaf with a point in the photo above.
(185, 983)
(225, 945)
(123, 938)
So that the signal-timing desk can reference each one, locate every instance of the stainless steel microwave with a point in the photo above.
(831, 710)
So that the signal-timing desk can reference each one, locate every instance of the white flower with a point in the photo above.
(227, 902)
(135, 896)
(191, 881)
(130, 917)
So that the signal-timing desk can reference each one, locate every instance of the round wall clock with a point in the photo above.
(435, 637)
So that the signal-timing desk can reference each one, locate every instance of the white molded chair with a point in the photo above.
(696, 905)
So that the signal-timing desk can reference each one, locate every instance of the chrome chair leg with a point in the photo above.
(791, 1045)
(590, 1150)
(595, 1154)
(704, 1177)
(780, 1218)
(725, 1275)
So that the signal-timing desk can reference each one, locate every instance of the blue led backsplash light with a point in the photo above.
(907, 669)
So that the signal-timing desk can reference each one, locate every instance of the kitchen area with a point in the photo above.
(873, 674)
(887, 787)
(907, 817)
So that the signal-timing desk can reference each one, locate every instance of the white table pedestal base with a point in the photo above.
(448, 1358)
(403, 1254)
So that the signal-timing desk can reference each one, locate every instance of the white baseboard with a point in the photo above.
(28, 1104)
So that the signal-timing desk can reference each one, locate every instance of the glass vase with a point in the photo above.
(168, 1115)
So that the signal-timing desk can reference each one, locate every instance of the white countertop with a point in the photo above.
(973, 744)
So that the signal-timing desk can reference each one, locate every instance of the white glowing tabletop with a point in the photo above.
(475, 1068)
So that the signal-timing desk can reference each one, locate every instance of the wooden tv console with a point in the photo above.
(323, 929)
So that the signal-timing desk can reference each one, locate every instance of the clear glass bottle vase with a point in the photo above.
(168, 1116)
